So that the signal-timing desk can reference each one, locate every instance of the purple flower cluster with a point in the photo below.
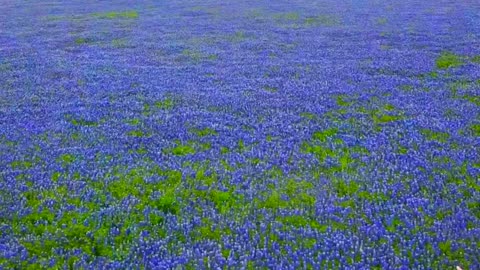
(240, 134)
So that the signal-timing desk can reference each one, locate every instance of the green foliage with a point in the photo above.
(377, 197)
(66, 159)
(84, 123)
(475, 99)
(271, 89)
(474, 207)
(225, 200)
(241, 145)
(342, 102)
(476, 59)
(182, 150)
(137, 133)
(288, 16)
(385, 118)
(165, 104)
(396, 222)
(204, 132)
(207, 180)
(274, 201)
(308, 115)
(343, 188)
(299, 221)
(123, 188)
(406, 87)
(224, 150)
(81, 41)
(389, 107)
(475, 128)
(319, 151)
(324, 135)
(21, 164)
(131, 14)
(168, 203)
(324, 20)
(195, 55)
(432, 135)
(210, 232)
(448, 60)
(119, 43)
(134, 122)
(238, 36)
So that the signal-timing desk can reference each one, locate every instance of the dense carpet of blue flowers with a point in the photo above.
(240, 134)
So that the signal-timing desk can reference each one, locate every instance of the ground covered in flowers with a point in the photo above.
(240, 134)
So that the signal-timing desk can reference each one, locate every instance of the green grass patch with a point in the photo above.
(385, 118)
(137, 133)
(448, 60)
(66, 159)
(432, 135)
(476, 59)
(299, 221)
(475, 128)
(181, 149)
(84, 123)
(204, 132)
(321, 20)
(343, 188)
(342, 102)
(81, 41)
(167, 104)
(322, 136)
(288, 16)
(21, 164)
(131, 14)
(271, 89)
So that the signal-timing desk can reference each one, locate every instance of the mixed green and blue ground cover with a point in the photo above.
(239, 134)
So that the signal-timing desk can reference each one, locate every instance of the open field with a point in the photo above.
(240, 134)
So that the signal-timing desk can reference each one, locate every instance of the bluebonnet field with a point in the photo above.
(240, 134)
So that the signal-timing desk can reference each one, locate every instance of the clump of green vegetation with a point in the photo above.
(66, 159)
(406, 88)
(475, 128)
(432, 135)
(475, 99)
(80, 41)
(325, 134)
(382, 21)
(241, 145)
(84, 123)
(238, 36)
(342, 102)
(274, 201)
(448, 60)
(134, 121)
(19, 164)
(181, 149)
(137, 133)
(324, 20)
(119, 43)
(131, 14)
(209, 232)
(308, 115)
(204, 132)
(476, 59)
(271, 89)
(342, 188)
(168, 203)
(299, 221)
(385, 118)
(289, 16)
(194, 55)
